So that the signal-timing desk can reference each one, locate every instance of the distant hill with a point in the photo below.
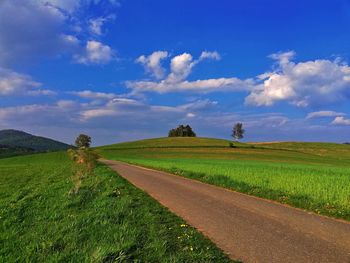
(8, 151)
(171, 142)
(14, 142)
(175, 146)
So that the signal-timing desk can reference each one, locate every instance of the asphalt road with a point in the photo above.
(247, 228)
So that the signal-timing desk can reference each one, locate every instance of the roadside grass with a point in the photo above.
(109, 220)
(311, 178)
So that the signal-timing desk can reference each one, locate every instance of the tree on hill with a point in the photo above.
(83, 140)
(238, 131)
(182, 131)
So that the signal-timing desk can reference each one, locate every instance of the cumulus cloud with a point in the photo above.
(320, 114)
(13, 83)
(283, 58)
(95, 53)
(340, 120)
(305, 83)
(180, 68)
(152, 63)
(310, 83)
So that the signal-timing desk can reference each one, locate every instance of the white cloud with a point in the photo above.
(95, 53)
(39, 92)
(65, 5)
(123, 119)
(197, 86)
(125, 101)
(29, 29)
(115, 112)
(283, 58)
(200, 105)
(340, 120)
(123, 107)
(67, 104)
(96, 24)
(70, 40)
(88, 94)
(180, 68)
(13, 83)
(116, 120)
(180, 65)
(35, 29)
(210, 55)
(95, 113)
(190, 115)
(305, 83)
(268, 121)
(37, 114)
(320, 114)
(152, 63)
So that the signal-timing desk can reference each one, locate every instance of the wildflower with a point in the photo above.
(183, 225)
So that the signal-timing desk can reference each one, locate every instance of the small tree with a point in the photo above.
(83, 140)
(238, 131)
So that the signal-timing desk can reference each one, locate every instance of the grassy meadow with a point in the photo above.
(109, 220)
(312, 176)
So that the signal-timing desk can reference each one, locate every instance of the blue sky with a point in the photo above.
(125, 70)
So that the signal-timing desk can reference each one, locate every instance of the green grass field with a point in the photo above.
(312, 176)
(109, 220)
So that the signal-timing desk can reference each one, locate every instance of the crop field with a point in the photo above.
(109, 220)
(312, 176)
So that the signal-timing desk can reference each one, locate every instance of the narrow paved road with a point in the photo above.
(247, 228)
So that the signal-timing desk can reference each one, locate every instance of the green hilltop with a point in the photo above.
(304, 152)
